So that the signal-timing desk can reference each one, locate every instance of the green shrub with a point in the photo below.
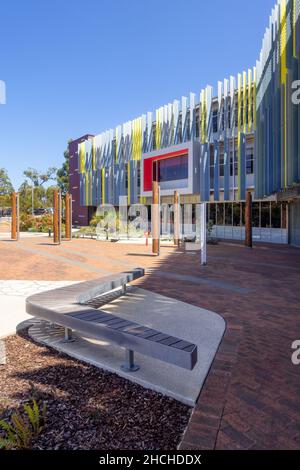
(23, 428)
(40, 223)
(26, 222)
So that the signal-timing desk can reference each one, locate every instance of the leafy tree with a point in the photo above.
(35, 189)
(62, 174)
(25, 191)
(49, 195)
(6, 188)
(39, 178)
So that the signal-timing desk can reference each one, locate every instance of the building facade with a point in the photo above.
(211, 147)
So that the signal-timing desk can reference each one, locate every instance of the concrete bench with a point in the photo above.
(75, 308)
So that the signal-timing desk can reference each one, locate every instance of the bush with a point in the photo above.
(36, 224)
(26, 222)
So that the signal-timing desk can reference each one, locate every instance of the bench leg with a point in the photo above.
(129, 365)
(124, 289)
(68, 336)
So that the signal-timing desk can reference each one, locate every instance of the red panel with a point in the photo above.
(148, 165)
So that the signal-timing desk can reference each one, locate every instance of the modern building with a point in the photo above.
(211, 147)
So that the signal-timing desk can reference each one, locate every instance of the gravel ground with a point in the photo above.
(87, 408)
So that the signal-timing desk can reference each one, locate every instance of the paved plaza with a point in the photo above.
(250, 396)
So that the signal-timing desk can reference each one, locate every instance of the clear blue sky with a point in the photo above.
(82, 66)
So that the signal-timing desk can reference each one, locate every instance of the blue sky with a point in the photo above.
(82, 66)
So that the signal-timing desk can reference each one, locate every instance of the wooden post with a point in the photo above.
(68, 203)
(248, 220)
(155, 219)
(176, 218)
(56, 216)
(15, 216)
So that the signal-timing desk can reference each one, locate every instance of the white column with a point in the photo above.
(203, 207)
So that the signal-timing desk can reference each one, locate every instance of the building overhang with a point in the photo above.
(289, 194)
(184, 184)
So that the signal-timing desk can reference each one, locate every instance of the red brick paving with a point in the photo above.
(250, 397)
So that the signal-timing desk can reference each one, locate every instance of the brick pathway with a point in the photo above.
(250, 397)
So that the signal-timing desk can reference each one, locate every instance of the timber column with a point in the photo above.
(68, 202)
(15, 216)
(248, 220)
(155, 219)
(56, 217)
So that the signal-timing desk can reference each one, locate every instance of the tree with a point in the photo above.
(34, 195)
(26, 195)
(39, 179)
(6, 188)
(62, 174)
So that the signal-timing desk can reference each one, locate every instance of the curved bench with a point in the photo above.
(71, 308)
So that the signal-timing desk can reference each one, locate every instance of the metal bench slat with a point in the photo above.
(110, 321)
(148, 334)
(120, 325)
(159, 337)
(103, 317)
(170, 341)
(181, 345)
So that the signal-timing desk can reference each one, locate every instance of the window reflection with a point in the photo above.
(172, 169)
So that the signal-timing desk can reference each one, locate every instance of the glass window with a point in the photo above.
(197, 122)
(250, 161)
(265, 215)
(243, 213)
(126, 175)
(154, 137)
(215, 120)
(212, 213)
(220, 214)
(284, 210)
(229, 116)
(221, 163)
(172, 169)
(236, 209)
(223, 118)
(236, 166)
(235, 163)
(187, 125)
(138, 174)
(255, 214)
(275, 215)
(179, 129)
(231, 163)
(212, 165)
(228, 214)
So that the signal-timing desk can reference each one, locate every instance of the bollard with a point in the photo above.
(15, 216)
(56, 217)
(68, 204)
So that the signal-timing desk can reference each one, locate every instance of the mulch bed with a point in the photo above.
(87, 408)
